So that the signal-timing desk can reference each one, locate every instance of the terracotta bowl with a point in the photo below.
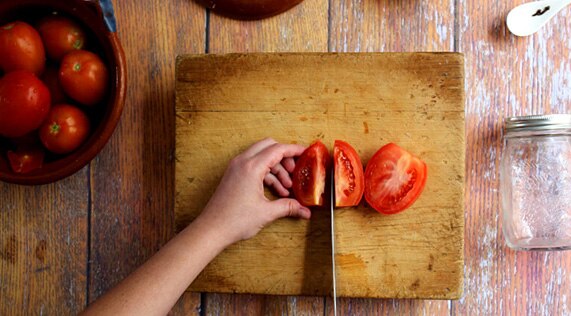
(97, 19)
(249, 9)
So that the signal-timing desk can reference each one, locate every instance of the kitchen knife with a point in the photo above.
(332, 206)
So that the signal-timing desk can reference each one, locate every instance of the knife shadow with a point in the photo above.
(317, 273)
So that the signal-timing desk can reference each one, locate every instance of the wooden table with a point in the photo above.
(63, 245)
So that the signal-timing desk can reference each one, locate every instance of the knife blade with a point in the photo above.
(332, 205)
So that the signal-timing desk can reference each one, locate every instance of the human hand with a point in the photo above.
(239, 207)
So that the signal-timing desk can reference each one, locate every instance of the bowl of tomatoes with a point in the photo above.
(62, 86)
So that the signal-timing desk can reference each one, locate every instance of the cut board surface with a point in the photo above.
(225, 103)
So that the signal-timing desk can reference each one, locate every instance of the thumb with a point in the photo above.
(289, 208)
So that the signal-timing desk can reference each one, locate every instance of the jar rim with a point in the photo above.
(538, 122)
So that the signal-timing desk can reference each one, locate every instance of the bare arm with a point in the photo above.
(238, 210)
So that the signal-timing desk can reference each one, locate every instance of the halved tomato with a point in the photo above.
(26, 159)
(394, 179)
(349, 180)
(309, 175)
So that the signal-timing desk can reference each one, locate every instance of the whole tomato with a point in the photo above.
(65, 128)
(84, 77)
(24, 103)
(21, 48)
(61, 36)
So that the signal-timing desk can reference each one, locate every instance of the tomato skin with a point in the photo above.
(60, 36)
(51, 79)
(84, 77)
(21, 48)
(310, 173)
(26, 159)
(348, 172)
(394, 179)
(24, 103)
(65, 129)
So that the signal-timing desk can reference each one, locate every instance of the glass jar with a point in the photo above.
(535, 182)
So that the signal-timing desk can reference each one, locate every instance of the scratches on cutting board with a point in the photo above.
(365, 128)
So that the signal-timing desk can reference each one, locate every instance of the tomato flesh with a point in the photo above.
(394, 179)
(349, 179)
(310, 173)
(26, 159)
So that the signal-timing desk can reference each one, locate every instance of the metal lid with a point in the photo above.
(538, 122)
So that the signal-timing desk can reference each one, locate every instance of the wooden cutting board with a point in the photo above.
(224, 103)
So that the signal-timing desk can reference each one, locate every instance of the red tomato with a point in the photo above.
(349, 180)
(21, 48)
(51, 80)
(24, 103)
(394, 179)
(84, 77)
(60, 36)
(309, 175)
(26, 159)
(65, 128)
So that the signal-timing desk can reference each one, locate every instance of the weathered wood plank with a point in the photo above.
(132, 179)
(301, 29)
(245, 304)
(507, 76)
(43, 247)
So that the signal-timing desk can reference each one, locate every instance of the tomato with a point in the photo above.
(24, 103)
(51, 80)
(60, 36)
(84, 77)
(21, 48)
(394, 179)
(349, 180)
(65, 128)
(309, 175)
(26, 159)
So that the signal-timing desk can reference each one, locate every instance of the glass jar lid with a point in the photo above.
(538, 122)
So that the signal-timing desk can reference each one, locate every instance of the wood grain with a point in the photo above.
(247, 304)
(386, 25)
(301, 29)
(131, 180)
(304, 29)
(505, 76)
(43, 239)
(508, 76)
(302, 97)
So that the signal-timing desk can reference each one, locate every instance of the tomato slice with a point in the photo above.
(309, 175)
(394, 179)
(349, 179)
(26, 159)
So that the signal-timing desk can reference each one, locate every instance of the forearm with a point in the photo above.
(155, 287)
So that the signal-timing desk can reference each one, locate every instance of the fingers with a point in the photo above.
(290, 208)
(272, 181)
(289, 164)
(281, 173)
(273, 154)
